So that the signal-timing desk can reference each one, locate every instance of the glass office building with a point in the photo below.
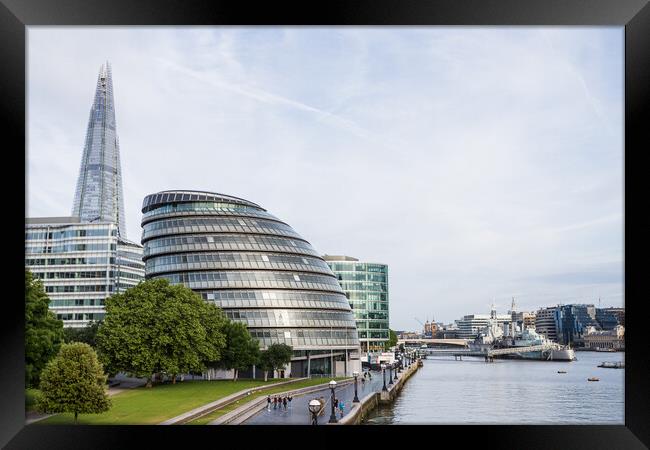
(257, 269)
(80, 265)
(366, 287)
(99, 194)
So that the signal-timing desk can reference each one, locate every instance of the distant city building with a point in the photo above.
(571, 322)
(525, 319)
(470, 325)
(604, 339)
(257, 269)
(430, 329)
(545, 322)
(608, 318)
(85, 258)
(366, 287)
(80, 265)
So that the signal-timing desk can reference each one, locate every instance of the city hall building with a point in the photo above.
(257, 269)
(366, 287)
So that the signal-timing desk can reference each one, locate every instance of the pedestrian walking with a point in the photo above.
(341, 407)
(290, 398)
(284, 402)
(268, 403)
(275, 402)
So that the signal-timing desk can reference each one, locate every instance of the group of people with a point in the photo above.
(278, 402)
(340, 405)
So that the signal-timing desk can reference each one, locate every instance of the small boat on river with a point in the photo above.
(593, 379)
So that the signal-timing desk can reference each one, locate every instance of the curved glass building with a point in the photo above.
(257, 269)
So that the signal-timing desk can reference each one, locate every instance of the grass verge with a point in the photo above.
(149, 406)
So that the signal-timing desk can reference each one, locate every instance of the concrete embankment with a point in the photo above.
(248, 410)
(360, 410)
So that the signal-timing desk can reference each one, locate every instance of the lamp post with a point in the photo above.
(355, 374)
(314, 407)
(383, 369)
(390, 374)
(333, 414)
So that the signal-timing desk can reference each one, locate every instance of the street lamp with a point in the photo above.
(333, 414)
(314, 407)
(355, 374)
(383, 369)
(390, 374)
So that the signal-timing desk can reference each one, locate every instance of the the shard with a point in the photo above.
(99, 197)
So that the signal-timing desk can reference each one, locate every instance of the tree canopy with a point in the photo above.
(242, 351)
(156, 327)
(43, 331)
(74, 381)
(274, 357)
(392, 339)
(87, 334)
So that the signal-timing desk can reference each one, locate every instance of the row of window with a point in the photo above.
(198, 207)
(216, 221)
(170, 197)
(371, 315)
(80, 316)
(65, 275)
(364, 296)
(156, 263)
(68, 261)
(362, 276)
(192, 277)
(91, 288)
(373, 334)
(364, 286)
(218, 242)
(288, 314)
(70, 233)
(374, 305)
(350, 335)
(357, 267)
(77, 302)
(69, 248)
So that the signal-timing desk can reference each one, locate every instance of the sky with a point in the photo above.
(479, 164)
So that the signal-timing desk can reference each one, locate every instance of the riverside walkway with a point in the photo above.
(298, 413)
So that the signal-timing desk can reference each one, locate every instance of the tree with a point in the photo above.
(74, 381)
(242, 351)
(87, 334)
(274, 357)
(392, 339)
(43, 331)
(158, 328)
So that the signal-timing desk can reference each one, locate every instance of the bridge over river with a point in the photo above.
(490, 353)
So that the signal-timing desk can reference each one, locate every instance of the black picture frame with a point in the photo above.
(634, 15)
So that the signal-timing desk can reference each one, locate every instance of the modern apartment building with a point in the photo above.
(256, 268)
(366, 286)
(545, 322)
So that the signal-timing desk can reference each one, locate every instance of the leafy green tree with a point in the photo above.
(43, 331)
(242, 351)
(158, 328)
(274, 357)
(87, 334)
(392, 339)
(74, 381)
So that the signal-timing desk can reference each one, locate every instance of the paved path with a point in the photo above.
(298, 414)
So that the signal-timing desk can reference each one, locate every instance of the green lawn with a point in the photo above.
(269, 391)
(31, 396)
(154, 405)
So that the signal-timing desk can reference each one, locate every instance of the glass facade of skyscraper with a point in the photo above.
(80, 265)
(99, 194)
(257, 269)
(366, 287)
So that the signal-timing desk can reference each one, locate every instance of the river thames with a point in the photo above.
(509, 392)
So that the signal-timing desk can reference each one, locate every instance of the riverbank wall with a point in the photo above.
(360, 410)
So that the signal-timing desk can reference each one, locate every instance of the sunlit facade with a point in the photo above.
(257, 269)
(366, 287)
